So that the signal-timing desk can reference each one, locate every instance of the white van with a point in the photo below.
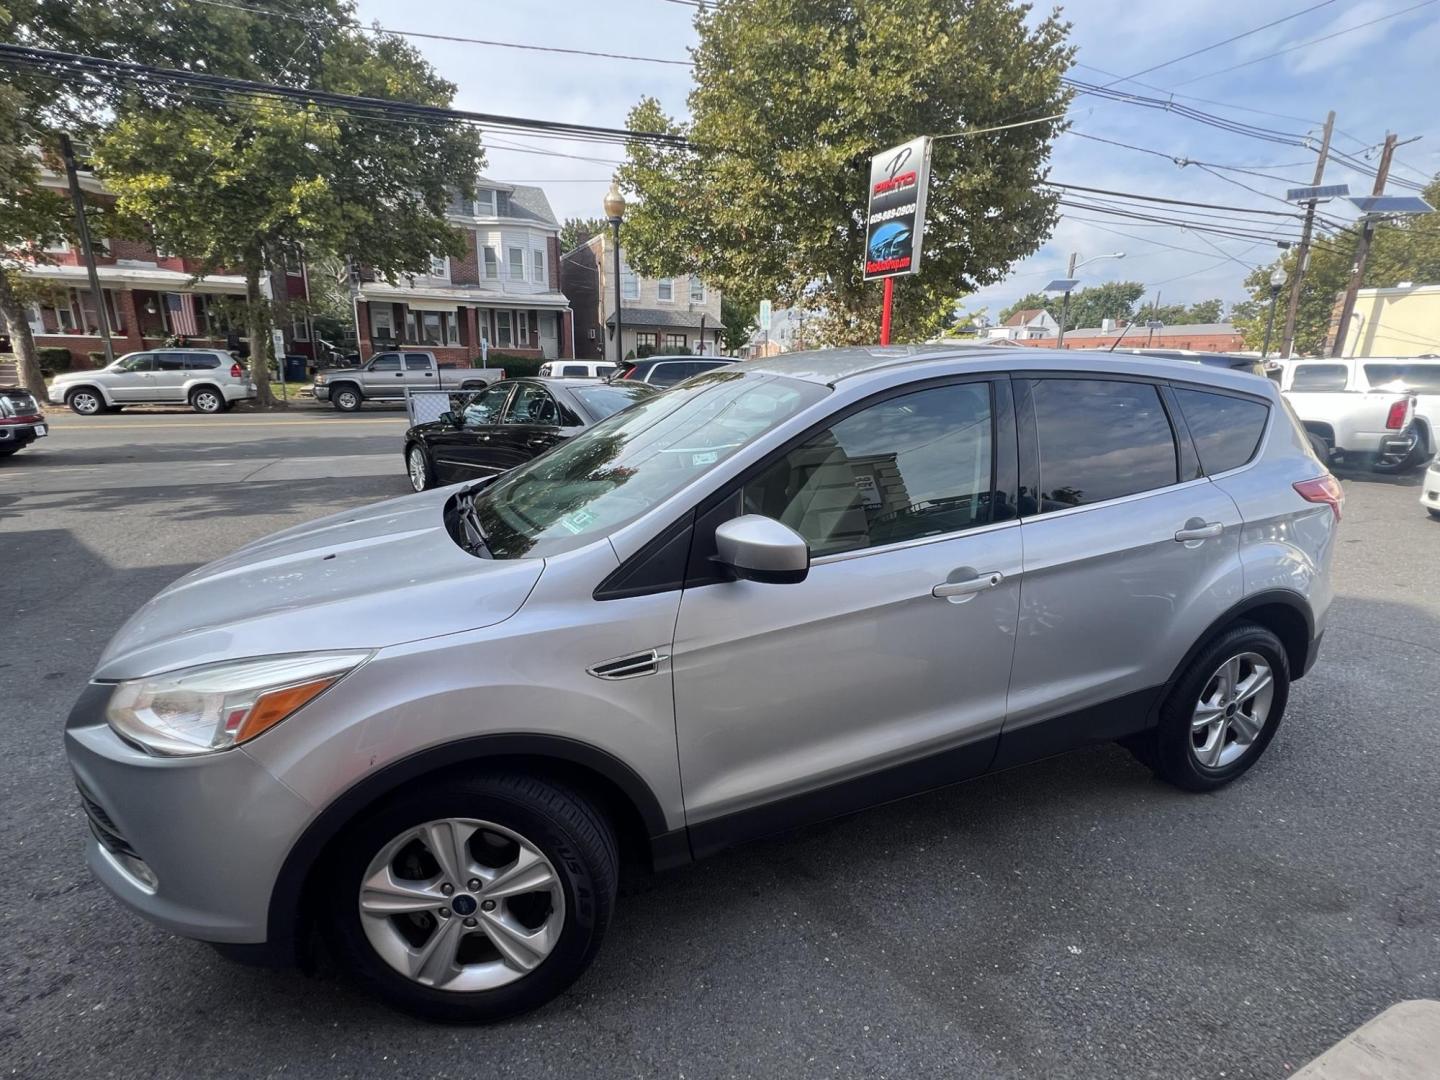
(576, 369)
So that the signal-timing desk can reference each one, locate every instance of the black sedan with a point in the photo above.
(508, 424)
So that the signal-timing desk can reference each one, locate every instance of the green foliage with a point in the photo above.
(1088, 307)
(739, 318)
(515, 366)
(54, 357)
(791, 100)
(575, 231)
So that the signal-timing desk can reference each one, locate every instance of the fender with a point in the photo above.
(668, 848)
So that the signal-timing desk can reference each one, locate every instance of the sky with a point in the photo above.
(1377, 78)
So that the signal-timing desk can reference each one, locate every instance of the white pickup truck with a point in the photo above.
(1357, 423)
(388, 375)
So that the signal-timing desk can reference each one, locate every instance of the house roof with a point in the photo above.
(1138, 330)
(1020, 318)
(530, 203)
(633, 317)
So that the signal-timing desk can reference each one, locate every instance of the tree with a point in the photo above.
(791, 100)
(240, 182)
(1088, 307)
(575, 231)
(739, 319)
(32, 218)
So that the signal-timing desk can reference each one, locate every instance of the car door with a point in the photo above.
(1130, 555)
(385, 377)
(132, 379)
(167, 382)
(531, 424)
(472, 448)
(885, 670)
(420, 371)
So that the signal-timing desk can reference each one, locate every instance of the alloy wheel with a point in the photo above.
(85, 403)
(463, 905)
(418, 472)
(207, 401)
(1232, 710)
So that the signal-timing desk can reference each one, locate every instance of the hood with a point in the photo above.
(74, 376)
(364, 579)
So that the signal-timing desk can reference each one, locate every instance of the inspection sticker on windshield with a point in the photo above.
(577, 522)
(709, 457)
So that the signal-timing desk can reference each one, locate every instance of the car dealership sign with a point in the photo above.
(895, 223)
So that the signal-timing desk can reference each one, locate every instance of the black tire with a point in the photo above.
(1169, 749)
(1320, 448)
(426, 471)
(207, 400)
(346, 397)
(85, 401)
(6, 451)
(1434, 514)
(576, 839)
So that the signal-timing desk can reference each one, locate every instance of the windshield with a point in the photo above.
(612, 473)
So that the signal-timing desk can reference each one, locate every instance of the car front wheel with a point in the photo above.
(474, 899)
(346, 399)
(85, 402)
(1223, 711)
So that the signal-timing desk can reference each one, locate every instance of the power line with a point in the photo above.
(1227, 41)
(377, 29)
(1204, 101)
(1181, 160)
(1307, 44)
(1174, 202)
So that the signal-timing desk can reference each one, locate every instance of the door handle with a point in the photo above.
(1208, 531)
(949, 589)
(539, 442)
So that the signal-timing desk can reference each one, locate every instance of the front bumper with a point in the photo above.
(1430, 488)
(322, 391)
(213, 830)
(15, 435)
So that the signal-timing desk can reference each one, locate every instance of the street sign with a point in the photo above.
(277, 339)
(1323, 191)
(895, 219)
(765, 315)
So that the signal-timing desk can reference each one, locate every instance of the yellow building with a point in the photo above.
(1403, 321)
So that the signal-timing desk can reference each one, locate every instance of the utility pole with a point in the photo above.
(1362, 250)
(1303, 255)
(1065, 304)
(82, 229)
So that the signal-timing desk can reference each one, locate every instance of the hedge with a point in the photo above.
(516, 367)
(54, 357)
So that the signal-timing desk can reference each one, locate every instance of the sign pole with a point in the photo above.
(885, 312)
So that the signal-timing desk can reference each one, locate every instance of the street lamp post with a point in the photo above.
(615, 212)
(1277, 282)
(1069, 283)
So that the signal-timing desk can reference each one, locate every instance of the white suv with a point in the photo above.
(209, 380)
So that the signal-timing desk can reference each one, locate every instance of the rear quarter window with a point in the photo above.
(202, 363)
(1226, 430)
(1416, 378)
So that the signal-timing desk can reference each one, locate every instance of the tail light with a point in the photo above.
(1323, 489)
(628, 373)
(1398, 411)
(235, 371)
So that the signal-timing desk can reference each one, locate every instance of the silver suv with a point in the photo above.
(208, 380)
(776, 593)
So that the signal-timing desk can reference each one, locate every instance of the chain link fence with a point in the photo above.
(423, 406)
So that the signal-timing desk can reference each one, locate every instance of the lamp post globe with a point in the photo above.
(615, 212)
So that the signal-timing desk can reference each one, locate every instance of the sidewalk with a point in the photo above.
(1402, 1043)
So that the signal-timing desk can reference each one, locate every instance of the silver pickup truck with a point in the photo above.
(388, 375)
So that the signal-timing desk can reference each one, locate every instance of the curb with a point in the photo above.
(1402, 1043)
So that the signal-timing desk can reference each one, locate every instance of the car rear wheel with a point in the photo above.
(1222, 713)
(1434, 514)
(85, 401)
(474, 899)
(417, 464)
(346, 398)
(207, 400)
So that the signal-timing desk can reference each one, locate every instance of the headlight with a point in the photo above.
(320, 376)
(202, 709)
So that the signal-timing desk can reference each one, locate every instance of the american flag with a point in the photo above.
(182, 314)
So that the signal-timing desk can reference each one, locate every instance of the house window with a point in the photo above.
(537, 266)
(492, 263)
(522, 327)
(485, 204)
(432, 328)
(517, 264)
(697, 290)
(382, 322)
(74, 313)
(299, 328)
(502, 204)
(440, 266)
(460, 205)
(629, 284)
(665, 290)
(503, 336)
(646, 343)
(676, 341)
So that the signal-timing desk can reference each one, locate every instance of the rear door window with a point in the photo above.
(1319, 377)
(417, 362)
(1415, 378)
(1100, 439)
(1226, 429)
(170, 361)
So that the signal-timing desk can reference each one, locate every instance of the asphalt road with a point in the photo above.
(1071, 918)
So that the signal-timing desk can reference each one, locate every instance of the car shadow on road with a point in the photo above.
(200, 449)
(1409, 478)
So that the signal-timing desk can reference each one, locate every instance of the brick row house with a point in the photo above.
(655, 313)
(504, 292)
(150, 297)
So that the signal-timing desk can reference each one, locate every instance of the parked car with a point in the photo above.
(507, 425)
(777, 593)
(1430, 489)
(210, 380)
(576, 369)
(668, 370)
(21, 421)
(388, 375)
(1356, 424)
(1418, 376)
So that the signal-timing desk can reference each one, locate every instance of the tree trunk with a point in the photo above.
(22, 340)
(257, 327)
(279, 303)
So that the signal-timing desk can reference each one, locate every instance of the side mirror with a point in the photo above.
(759, 548)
